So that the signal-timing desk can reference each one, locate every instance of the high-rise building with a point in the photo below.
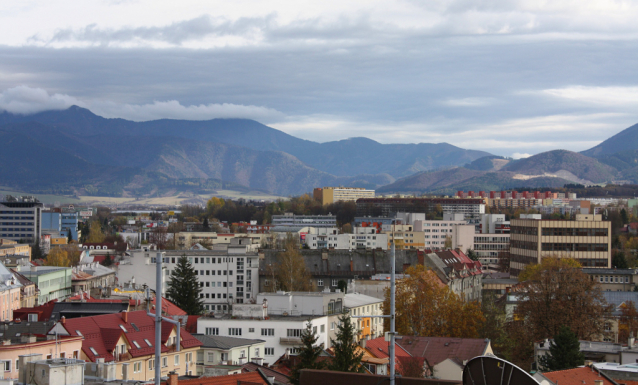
(586, 239)
(328, 195)
(384, 207)
(20, 218)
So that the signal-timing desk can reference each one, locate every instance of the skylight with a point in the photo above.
(123, 328)
(79, 333)
(135, 327)
(136, 344)
(148, 342)
(93, 350)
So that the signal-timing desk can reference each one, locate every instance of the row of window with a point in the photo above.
(212, 272)
(266, 332)
(16, 212)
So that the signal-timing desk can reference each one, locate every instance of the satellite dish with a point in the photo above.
(491, 370)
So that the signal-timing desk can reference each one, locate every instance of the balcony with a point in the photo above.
(290, 340)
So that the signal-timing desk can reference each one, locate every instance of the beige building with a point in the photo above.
(587, 239)
(328, 195)
(186, 240)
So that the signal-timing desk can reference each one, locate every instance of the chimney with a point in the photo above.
(63, 320)
(363, 343)
(125, 316)
(172, 378)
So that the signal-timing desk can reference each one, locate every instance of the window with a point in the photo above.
(136, 344)
(269, 351)
(164, 362)
(323, 328)
(150, 364)
(6, 365)
(212, 331)
(332, 326)
(176, 359)
(93, 350)
(267, 332)
(256, 352)
(320, 282)
(251, 330)
(335, 282)
(210, 357)
(33, 318)
(293, 332)
(234, 331)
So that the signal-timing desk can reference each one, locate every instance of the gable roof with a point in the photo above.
(378, 347)
(438, 349)
(577, 376)
(232, 379)
(102, 333)
(268, 372)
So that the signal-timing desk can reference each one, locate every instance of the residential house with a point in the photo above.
(30, 338)
(219, 350)
(10, 288)
(577, 376)
(28, 292)
(446, 356)
(92, 276)
(360, 305)
(128, 340)
(456, 270)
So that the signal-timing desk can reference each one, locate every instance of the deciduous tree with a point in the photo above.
(290, 271)
(57, 257)
(346, 358)
(628, 321)
(95, 233)
(183, 288)
(308, 354)
(427, 307)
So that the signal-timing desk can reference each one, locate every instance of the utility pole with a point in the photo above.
(158, 317)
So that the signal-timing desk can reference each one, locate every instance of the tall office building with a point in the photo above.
(20, 218)
(586, 239)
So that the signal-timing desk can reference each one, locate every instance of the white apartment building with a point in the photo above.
(361, 305)
(227, 274)
(488, 246)
(278, 319)
(218, 350)
(362, 238)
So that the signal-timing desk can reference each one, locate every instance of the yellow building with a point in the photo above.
(328, 195)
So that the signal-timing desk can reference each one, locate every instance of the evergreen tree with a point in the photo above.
(619, 261)
(205, 225)
(564, 352)
(108, 261)
(183, 288)
(308, 354)
(471, 254)
(36, 251)
(69, 237)
(345, 357)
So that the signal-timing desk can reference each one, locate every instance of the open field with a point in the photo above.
(150, 201)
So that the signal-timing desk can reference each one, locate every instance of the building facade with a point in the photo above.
(385, 207)
(328, 195)
(52, 282)
(20, 219)
(587, 239)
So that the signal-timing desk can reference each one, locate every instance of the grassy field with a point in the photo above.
(151, 201)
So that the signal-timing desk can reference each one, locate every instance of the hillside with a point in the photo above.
(626, 140)
(564, 164)
(340, 158)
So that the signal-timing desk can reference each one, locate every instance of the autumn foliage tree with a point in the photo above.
(628, 321)
(553, 294)
(427, 307)
(95, 233)
(290, 272)
(57, 257)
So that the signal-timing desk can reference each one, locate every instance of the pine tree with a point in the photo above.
(345, 357)
(36, 251)
(108, 261)
(183, 288)
(564, 352)
(205, 225)
(308, 354)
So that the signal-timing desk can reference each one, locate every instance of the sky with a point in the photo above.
(511, 77)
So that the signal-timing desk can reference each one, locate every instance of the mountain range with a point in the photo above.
(74, 151)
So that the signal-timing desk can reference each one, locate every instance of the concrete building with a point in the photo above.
(228, 274)
(361, 238)
(328, 195)
(20, 219)
(361, 305)
(614, 279)
(92, 276)
(218, 350)
(384, 207)
(10, 288)
(60, 371)
(294, 221)
(53, 282)
(587, 239)
(493, 224)
(278, 319)
(490, 247)
(8, 247)
(28, 291)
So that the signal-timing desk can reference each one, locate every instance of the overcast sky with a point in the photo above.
(512, 77)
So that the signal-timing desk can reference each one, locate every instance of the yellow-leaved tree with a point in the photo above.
(58, 257)
(95, 233)
(427, 307)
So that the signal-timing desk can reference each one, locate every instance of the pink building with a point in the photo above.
(9, 294)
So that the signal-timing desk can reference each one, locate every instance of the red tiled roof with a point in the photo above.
(102, 333)
(232, 379)
(578, 376)
(169, 308)
(43, 311)
(269, 372)
(378, 347)
(438, 349)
